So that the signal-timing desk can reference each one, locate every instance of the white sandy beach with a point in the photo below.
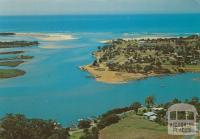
(48, 37)
(140, 38)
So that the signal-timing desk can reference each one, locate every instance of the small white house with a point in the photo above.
(152, 118)
(150, 115)
(157, 109)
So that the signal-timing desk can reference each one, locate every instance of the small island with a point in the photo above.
(122, 60)
(13, 44)
(11, 63)
(11, 73)
(7, 33)
(12, 58)
(12, 52)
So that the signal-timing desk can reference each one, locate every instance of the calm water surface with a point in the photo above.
(55, 88)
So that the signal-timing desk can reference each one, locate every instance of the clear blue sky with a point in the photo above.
(35, 7)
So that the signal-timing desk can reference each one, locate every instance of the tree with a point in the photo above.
(84, 124)
(158, 64)
(19, 127)
(194, 101)
(108, 120)
(95, 63)
(93, 134)
(135, 106)
(161, 117)
(149, 101)
(148, 68)
(175, 101)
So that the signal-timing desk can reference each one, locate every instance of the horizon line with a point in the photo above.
(104, 14)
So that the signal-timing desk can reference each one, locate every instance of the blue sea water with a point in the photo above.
(55, 88)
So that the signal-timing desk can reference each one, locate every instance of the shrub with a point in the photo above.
(84, 124)
(108, 120)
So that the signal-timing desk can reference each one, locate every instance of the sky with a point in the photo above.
(49, 7)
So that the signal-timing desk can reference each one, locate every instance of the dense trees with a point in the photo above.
(19, 127)
(93, 134)
(108, 120)
(135, 106)
(147, 56)
(84, 124)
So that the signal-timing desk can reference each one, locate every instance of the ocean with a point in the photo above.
(55, 88)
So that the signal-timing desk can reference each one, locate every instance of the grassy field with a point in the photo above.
(136, 127)
(76, 135)
(9, 73)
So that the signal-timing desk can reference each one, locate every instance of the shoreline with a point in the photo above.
(102, 74)
(144, 37)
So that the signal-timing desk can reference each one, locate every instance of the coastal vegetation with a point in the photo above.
(16, 59)
(11, 63)
(14, 44)
(19, 127)
(12, 52)
(122, 60)
(10, 73)
(19, 57)
(7, 33)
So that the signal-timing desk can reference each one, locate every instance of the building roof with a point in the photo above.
(149, 114)
(152, 118)
(182, 107)
(157, 109)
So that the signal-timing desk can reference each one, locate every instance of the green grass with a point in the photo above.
(136, 127)
(77, 135)
(10, 73)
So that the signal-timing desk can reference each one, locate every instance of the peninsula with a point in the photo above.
(122, 60)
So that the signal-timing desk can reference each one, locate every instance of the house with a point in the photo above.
(150, 115)
(152, 118)
(157, 109)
